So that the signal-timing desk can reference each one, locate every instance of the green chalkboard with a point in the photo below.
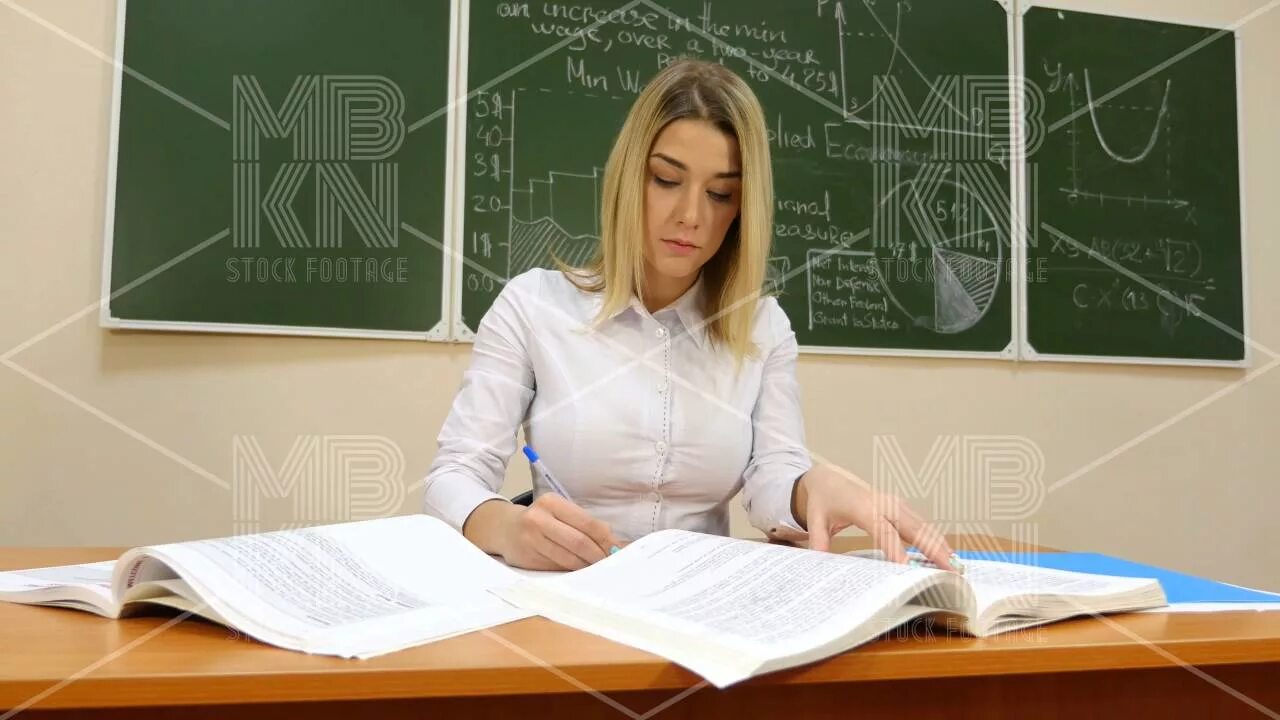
(889, 124)
(279, 166)
(1134, 244)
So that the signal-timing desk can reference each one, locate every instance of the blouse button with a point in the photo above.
(662, 332)
(661, 446)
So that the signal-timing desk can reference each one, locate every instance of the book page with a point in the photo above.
(1010, 596)
(83, 584)
(528, 574)
(721, 606)
(178, 595)
(1013, 595)
(993, 581)
(353, 589)
(93, 576)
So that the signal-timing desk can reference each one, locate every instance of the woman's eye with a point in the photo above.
(720, 197)
(663, 182)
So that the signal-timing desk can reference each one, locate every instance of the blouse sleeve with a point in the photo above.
(479, 435)
(778, 454)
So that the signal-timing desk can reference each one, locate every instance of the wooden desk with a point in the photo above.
(64, 663)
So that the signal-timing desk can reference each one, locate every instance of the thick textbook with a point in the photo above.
(731, 609)
(353, 589)
(725, 608)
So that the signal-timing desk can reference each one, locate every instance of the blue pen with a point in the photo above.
(556, 487)
(550, 479)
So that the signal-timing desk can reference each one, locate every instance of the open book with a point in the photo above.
(355, 589)
(726, 609)
(731, 609)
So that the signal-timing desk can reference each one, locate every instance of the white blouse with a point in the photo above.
(641, 419)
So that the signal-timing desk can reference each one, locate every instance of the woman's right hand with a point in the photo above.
(553, 534)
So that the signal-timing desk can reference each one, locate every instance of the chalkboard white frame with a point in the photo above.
(458, 330)
(439, 332)
(1025, 350)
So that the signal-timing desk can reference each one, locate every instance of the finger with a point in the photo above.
(527, 555)
(926, 537)
(539, 525)
(561, 559)
(579, 519)
(819, 531)
(572, 539)
(538, 561)
(886, 538)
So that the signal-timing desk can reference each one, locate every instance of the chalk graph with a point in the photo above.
(539, 234)
(1089, 175)
(869, 54)
(941, 253)
(551, 214)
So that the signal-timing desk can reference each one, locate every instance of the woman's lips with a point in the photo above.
(679, 248)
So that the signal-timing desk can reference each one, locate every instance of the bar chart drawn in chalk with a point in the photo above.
(538, 234)
(552, 213)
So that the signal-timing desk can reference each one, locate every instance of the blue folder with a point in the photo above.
(1178, 587)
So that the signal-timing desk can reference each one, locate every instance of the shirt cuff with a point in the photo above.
(780, 522)
(452, 497)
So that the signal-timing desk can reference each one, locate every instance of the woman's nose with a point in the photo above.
(689, 209)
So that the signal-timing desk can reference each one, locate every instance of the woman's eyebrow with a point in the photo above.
(682, 166)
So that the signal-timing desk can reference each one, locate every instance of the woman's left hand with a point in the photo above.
(827, 500)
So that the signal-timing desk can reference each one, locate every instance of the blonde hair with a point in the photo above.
(733, 277)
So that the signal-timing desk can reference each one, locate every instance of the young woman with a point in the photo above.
(656, 382)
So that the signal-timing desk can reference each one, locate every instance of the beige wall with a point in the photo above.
(122, 438)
